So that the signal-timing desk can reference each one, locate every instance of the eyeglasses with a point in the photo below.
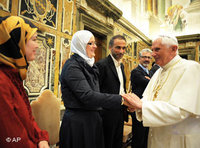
(146, 57)
(92, 43)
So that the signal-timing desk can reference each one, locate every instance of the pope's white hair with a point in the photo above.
(167, 39)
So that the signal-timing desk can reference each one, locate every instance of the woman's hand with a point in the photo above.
(43, 144)
(133, 100)
(131, 110)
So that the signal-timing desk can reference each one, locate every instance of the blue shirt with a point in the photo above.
(145, 69)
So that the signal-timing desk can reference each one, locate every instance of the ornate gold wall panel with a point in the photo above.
(64, 55)
(41, 70)
(43, 11)
(68, 7)
(6, 5)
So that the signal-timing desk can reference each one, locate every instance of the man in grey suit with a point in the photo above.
(112, 80)
(140, 77)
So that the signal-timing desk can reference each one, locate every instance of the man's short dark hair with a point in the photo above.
(111, 43)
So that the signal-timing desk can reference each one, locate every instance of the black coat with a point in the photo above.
(138, 81)
(113, 120)
(154, 68)
(82, 123)
(80, 87)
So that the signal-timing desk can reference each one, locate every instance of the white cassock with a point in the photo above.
(171, 105)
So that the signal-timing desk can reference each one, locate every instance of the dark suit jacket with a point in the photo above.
(138, 81)
(108, 79)
(154, 68)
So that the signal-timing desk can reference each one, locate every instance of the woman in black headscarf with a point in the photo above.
(18, 45)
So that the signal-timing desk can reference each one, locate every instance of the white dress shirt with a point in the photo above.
(120, 75)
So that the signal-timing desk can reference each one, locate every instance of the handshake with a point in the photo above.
(132, 101)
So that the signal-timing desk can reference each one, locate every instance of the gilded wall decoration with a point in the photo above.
(129, 49)
(52, 69)
(127, 61)
(141, 45)
(65, 51)
(68, 10)
(43, 11)
(64, 55)
(6, 5)
(198, 53)
(41, 71)
(135, 49)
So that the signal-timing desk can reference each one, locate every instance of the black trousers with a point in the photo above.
(113, 124)
(139, 132)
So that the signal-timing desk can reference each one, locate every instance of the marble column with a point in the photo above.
(161, 9)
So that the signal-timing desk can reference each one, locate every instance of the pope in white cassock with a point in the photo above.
(171, 101)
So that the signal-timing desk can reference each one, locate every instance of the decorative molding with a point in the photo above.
(132, 29)
(65, 54)
(94, 14)
(193, 7)
(106, 8)
(95, 24)
(68, 10)
(188, 46)
(187, 38)
(64, 51)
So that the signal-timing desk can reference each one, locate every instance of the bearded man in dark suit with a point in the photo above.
(140, 77)
(112, 80)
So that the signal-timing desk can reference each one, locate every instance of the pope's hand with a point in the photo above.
(133, 101)
(127, 103)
